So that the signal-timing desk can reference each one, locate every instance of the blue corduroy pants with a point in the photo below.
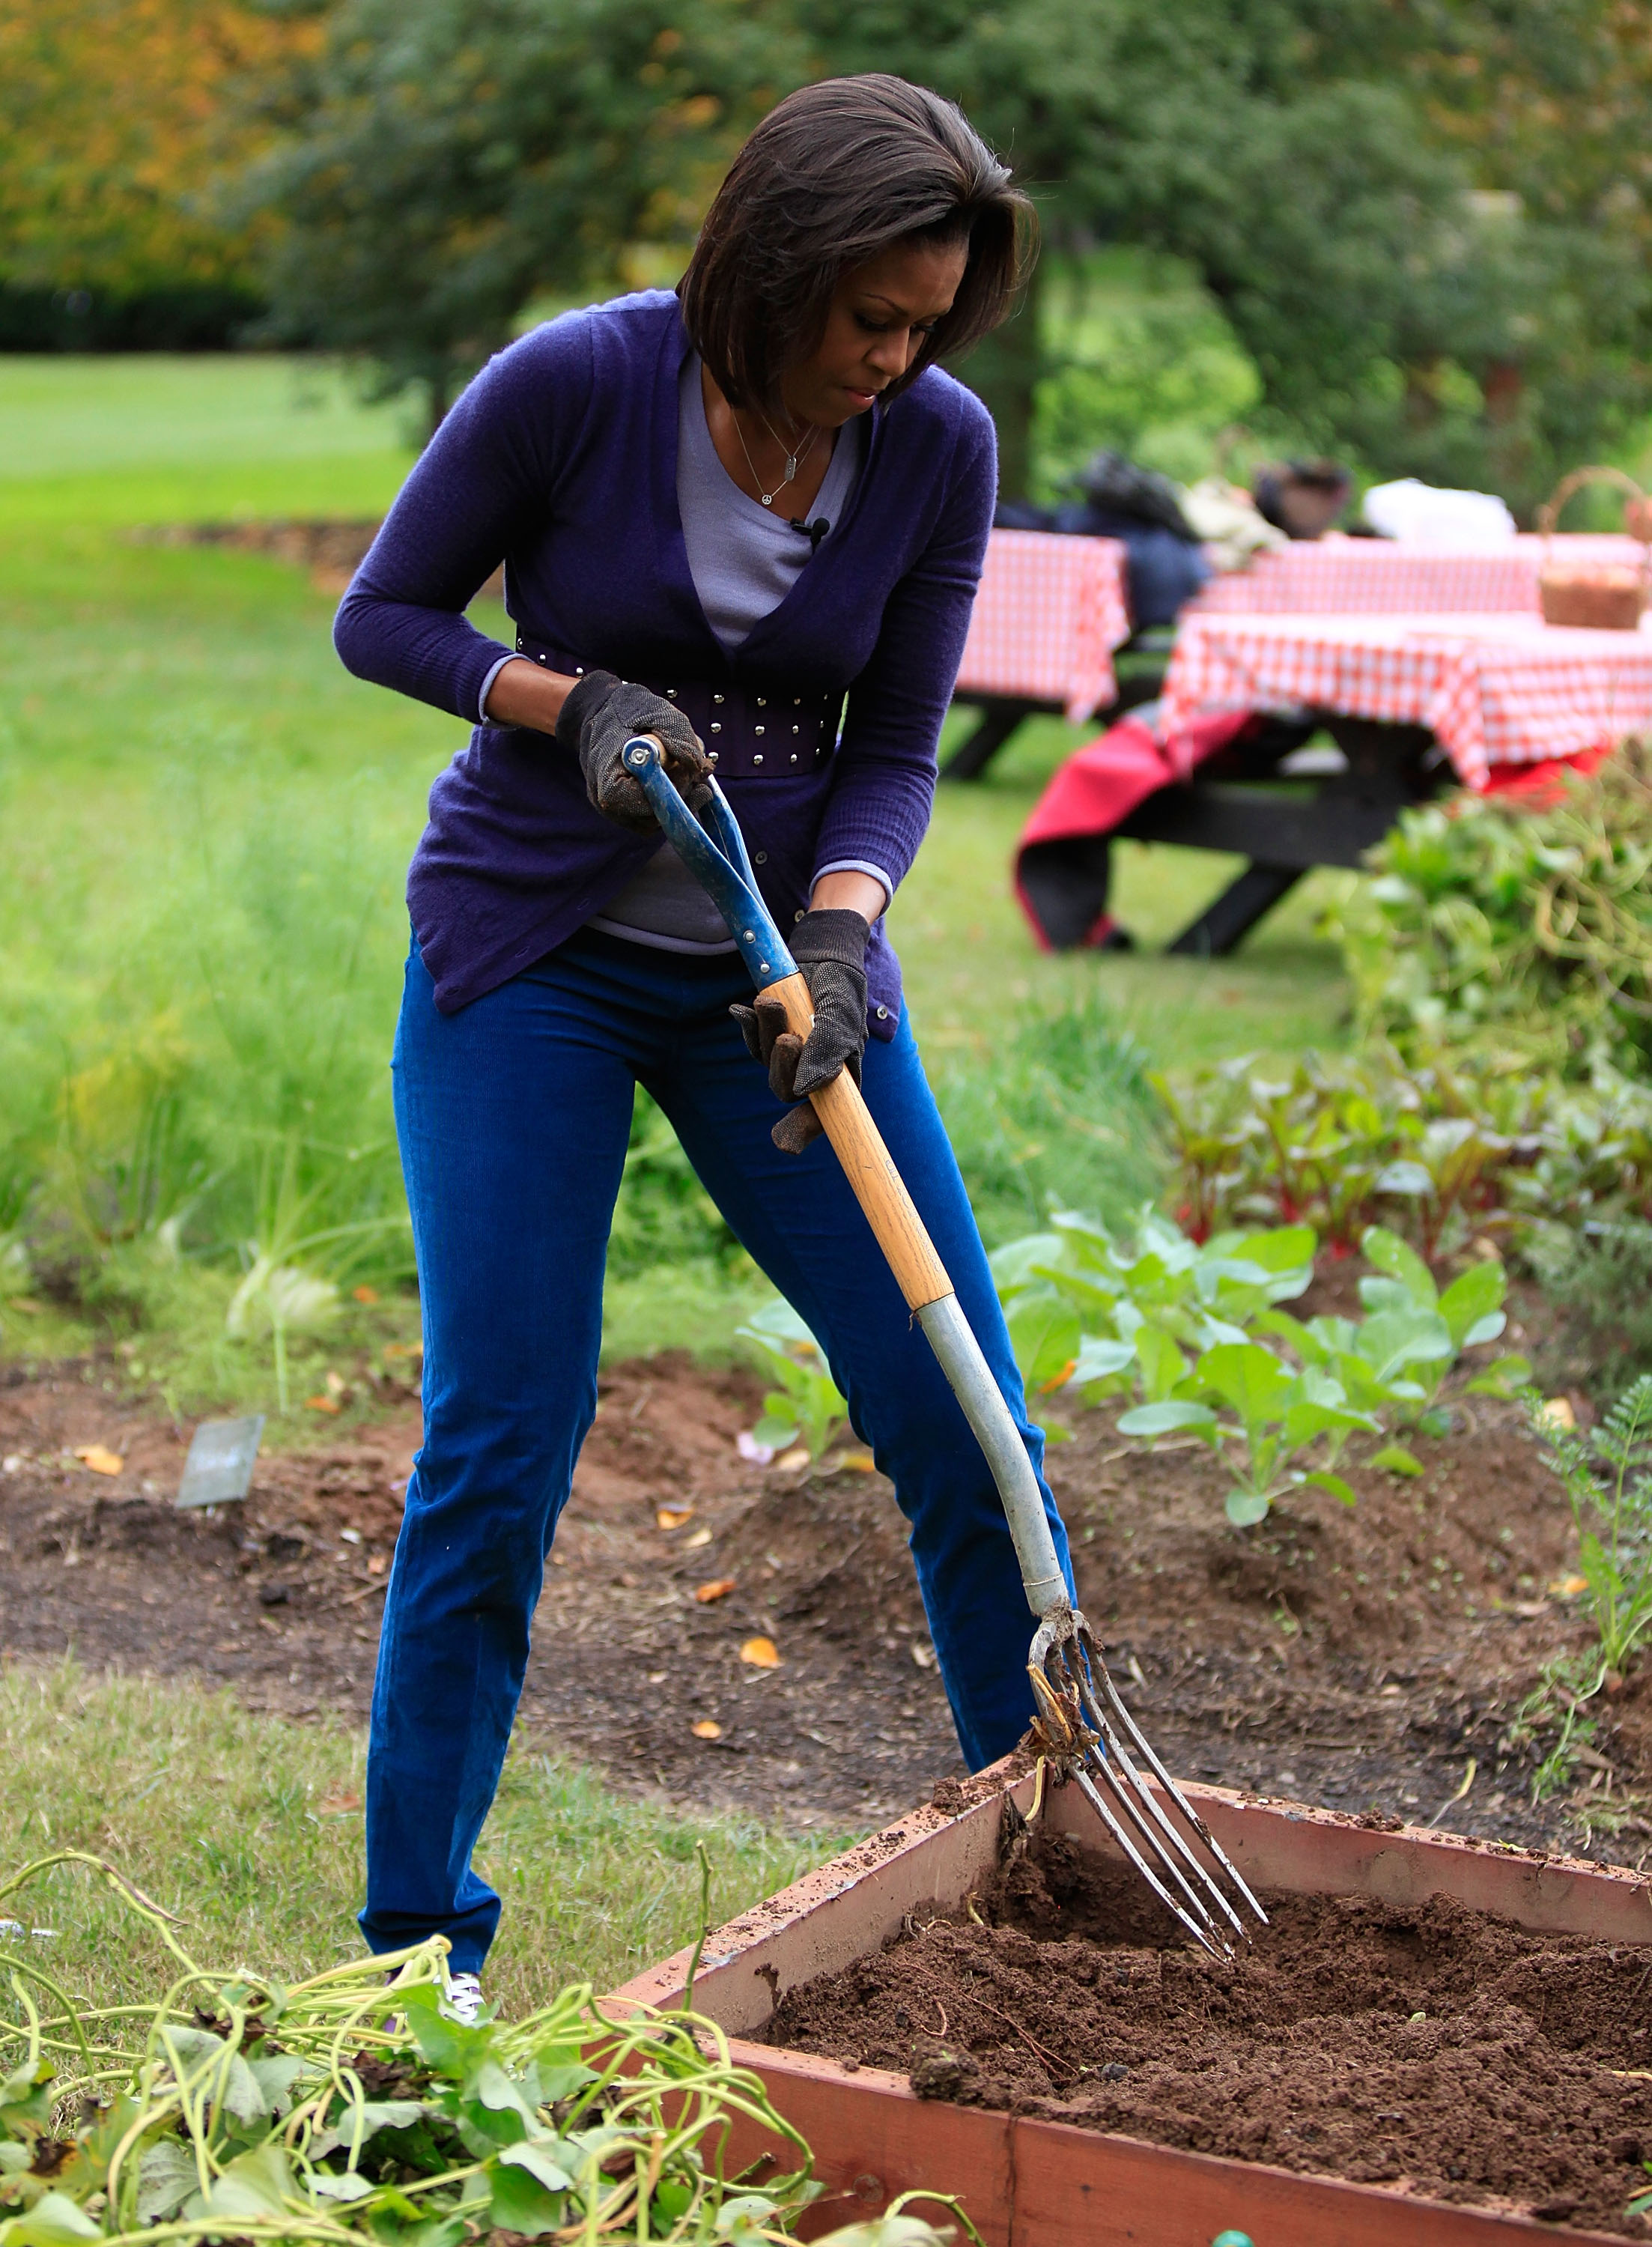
(513, 1117)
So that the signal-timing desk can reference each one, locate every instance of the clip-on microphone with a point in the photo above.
(814, 532)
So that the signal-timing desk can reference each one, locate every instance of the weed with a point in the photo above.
(1567, 1684)
(1606, 1474)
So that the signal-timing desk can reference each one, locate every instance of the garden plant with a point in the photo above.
(1187, 1327)
(329, 2111)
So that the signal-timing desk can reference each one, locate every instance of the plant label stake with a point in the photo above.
(219, 1467)
(1082, 1725)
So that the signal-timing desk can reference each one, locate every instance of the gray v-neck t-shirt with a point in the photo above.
(744, 559)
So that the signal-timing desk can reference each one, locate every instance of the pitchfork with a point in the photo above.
(1081, 1725)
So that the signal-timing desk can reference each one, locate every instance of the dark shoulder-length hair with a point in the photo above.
(838, 172)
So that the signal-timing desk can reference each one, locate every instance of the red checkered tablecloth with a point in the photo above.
(1049, 615)
(1372, 577)
(1494, 690)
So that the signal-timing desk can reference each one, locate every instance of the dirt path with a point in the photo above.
(1358, 1659)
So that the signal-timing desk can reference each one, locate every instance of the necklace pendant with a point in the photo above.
(767, 498)
(791, 469)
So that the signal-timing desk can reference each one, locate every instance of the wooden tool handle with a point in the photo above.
(867, 1166)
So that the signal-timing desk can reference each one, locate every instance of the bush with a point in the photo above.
(1515, 928)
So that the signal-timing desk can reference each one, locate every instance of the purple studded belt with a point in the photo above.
(773, 736)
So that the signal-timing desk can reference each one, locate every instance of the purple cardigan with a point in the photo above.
(560, 457)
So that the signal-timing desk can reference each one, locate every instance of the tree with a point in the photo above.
(114, 115)
(444, 162)
(1295, 154)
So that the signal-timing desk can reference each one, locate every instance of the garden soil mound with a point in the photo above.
(1434, 2049)
(1357, 1658)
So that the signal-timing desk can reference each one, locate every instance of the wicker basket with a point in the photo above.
(1602, 596)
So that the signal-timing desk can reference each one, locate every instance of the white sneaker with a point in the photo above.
(464, 1997)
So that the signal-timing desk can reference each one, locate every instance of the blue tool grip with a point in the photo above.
(725, 873)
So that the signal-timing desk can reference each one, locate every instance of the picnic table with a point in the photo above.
(1050, 614)
(1406, 700)
(1358, 576)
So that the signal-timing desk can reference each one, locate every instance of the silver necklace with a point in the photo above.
(792, 460)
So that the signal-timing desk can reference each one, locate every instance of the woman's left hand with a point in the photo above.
(829, 947)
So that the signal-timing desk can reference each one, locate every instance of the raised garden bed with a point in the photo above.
(1531, 2014)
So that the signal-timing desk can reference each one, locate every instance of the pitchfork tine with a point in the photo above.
(1118, 1757)
(1207, 1941)
(1176, 1795)
(1133, 1800)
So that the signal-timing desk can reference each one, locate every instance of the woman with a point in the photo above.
(720, 511)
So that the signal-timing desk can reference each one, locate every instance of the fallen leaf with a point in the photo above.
(377, 1565)
(922, 1656)
(797, 1456)
(321, 1404)
(1567, 1588)
(761, 1653)
(719, 1588)
(672, 1517)
(397, 1349)
(700, 1537)
(336, 1384)
(861, 1462)
(25, 1303)
(1557, 1410)
(338, 1806)
(705, 1730)
(365, 1295)
(99, 1458)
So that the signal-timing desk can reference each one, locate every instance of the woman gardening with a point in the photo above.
(747, 517)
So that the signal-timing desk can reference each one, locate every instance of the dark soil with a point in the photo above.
(1436, 2048)
(1357, 1658)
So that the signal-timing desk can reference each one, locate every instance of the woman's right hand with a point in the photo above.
(600, 714)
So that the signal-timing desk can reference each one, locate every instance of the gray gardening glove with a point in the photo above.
(600, 715)
(830, 946)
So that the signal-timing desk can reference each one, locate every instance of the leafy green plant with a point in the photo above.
(808, 1407)
(1607, 1475)
(1339, 1143)
(327, 2111)
(1278, 1418)
(1186, 1327)
(1527, 926)
(1110, 1313)
(1599, 1279)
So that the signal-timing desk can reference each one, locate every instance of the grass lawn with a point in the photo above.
(250, 1829)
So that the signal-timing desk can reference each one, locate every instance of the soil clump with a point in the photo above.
(1431, 2048)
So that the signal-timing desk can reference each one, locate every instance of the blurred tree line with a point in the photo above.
(1426, 221)
(117, 118)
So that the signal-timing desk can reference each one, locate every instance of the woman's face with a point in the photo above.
(881, 314)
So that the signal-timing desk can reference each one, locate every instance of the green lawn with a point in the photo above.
(250, 1828)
